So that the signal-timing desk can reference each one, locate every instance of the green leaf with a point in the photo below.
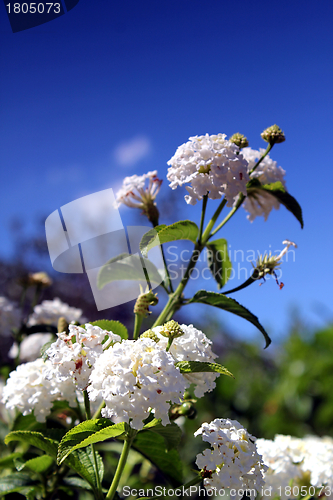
(44, 348)
(149, 235)
(15, 483)
(50, 446)
(231, 305)
(37, 439)
(77, 482)
(171, 432)
(218, 261)
(86, 460)
(182, 230)
(202, 366)
(7, 462)
(38, 464)
(27, 422)
(112, 326)
(277, 190)
(152, 446)
(86, 433)
(119, 269)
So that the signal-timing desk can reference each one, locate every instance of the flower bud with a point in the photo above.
(150, 334)
(145, 299)
(240, 140)
(273, 135)
(171, 329)
(36, 279)
(63, 325)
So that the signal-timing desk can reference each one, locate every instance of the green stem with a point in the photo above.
(203, 212)
(169, 282)
(269, 147)
(97, 413)
(121, 465)
(137, 325)
(88, 413)
(212, 221)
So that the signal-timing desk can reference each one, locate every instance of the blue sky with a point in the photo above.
(113, 88)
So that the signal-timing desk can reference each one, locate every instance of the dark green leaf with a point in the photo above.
(50, 446)
(86, 433)
(152, 446)
(231, 305)
(202, 366)
(129, 267)
(112, 326)
(14, 482)
(171, 433)
(182, 230)
(277, 190)
(218, 261)
(86, 460)
(27, 422)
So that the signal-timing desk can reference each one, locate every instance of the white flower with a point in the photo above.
(211, 165)
(28, 391)
(135, 377)
(49, 311)
(30, 346)
(233, 462)
(192, 346)
(10, 317)
(75, 354)
(293, 461)
(133, 192)
(261, 203)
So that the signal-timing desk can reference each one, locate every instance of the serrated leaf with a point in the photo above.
(218, 261)
(128, 267)
(149, 235)
(38, 464)
(37, 439)
(50, 446)
(277, 190)
(113, 326)
(86, 433)
(182, 230)
(231, 305)
(202, 366)
(86, 460)
(171, 432)
(152, 446)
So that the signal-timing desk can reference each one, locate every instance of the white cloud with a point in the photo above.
(128, 153)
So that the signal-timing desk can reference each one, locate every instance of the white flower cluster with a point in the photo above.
(74, 354)
(233, 462)
(135, 377)
(27, 390)
(133, 192)
(192, 346)
(295, 461)
(49, 311)
(10, 317)
(261, 203)
(211, 165)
